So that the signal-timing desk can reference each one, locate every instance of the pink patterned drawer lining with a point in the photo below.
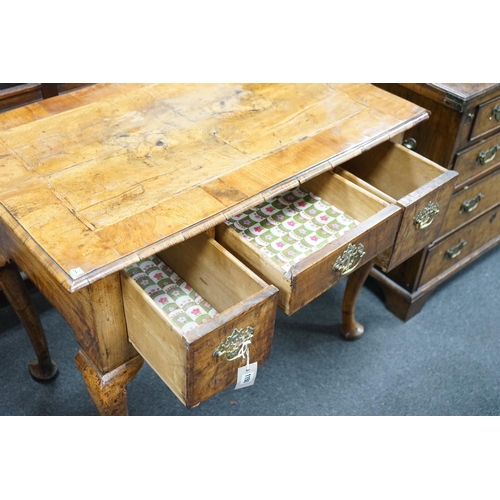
(185, 308)
(290, 227)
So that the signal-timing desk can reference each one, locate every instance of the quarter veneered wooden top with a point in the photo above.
(94, 180)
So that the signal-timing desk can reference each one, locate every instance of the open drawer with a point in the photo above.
(307, 239)
(195, 358)
(419, 186)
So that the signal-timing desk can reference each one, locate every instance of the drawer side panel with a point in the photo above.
(164, 349)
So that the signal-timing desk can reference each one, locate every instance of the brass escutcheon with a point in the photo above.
(231, 349)
(469, 205)
(485, 157)
(350, 259)
(424, 218)
(453, 252)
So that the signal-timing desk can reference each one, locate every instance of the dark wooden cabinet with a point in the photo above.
(13, 95)
(462, 134)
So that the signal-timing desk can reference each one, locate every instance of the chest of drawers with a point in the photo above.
(462, 134)
(116, 175)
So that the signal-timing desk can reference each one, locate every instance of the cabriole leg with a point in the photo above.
(108, 391)
(14, 289)
(350, 328)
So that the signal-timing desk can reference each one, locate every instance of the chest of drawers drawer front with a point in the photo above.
(419, 186)
(472, 201)
(186, 361)
(319, 271)
(478, 160)
(460, 244)
(487, 118)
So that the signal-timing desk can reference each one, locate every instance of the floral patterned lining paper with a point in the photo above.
(290, 227)
(177, 299)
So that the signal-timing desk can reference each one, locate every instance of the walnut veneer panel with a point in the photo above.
(100, 177)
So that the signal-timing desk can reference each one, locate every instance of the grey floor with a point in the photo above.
(444, 361)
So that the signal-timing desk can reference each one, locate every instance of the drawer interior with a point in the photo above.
(295, 240)
(288, 228)
(188, 282)
(391, 171)
(216, 301)
(181, 304)
(419, 186)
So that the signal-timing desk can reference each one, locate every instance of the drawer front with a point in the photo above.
(472, 201)
(323, 269)
(419, 186)
(201, 362)
(316, 272)
(460, 244)
(477, 160)
(423, 214)
(487, 118)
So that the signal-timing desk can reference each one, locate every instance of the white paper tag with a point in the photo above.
(77, 271)
(246, 376)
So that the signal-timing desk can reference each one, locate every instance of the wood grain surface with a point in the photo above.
(96, 179)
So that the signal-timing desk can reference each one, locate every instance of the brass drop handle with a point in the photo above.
(485, 157)
(453, 252)
(496, 113)
(350, 259)
(234, 346)
(425, 218)
(469, 205)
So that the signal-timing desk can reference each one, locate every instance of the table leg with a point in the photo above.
(14, 289)
(350, 328)
(96, 315)
(107, 361)
(108, 391)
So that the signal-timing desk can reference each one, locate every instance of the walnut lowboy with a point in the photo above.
(96, 180)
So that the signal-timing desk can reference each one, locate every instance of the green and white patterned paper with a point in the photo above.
(290, 227)
(177, 299)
